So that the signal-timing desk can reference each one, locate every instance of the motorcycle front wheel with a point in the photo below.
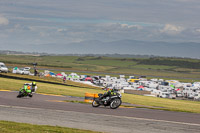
(95, 104)
(20, 95)
(115, 103)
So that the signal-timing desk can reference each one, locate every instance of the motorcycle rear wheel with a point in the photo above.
(30, 95)
(115, 103)
(95, 104)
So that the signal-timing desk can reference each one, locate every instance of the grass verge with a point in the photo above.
(51, 80)
(14, 127)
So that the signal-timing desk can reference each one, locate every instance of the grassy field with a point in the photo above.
(129, 66)
(47, 85)
(14, 127)
(48, 79)
(167, 104)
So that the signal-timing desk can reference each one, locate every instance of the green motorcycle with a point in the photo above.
(25, 91)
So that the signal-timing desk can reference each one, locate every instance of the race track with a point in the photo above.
(51, 110)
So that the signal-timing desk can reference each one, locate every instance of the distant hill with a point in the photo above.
(128, 47)
(8, 52)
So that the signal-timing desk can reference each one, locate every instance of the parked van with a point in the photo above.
(197, 96)
(3, 67)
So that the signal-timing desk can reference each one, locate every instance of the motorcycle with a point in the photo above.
(25, 91)
(114, 101)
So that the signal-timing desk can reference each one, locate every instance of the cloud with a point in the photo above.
(41, 28)
(69, 21)
(171, 29)
(197, 30)
(116, 27)
(61, 30)
(131, 26)
(17, 28)
(43, 34)
(3, 20)
(187, 0)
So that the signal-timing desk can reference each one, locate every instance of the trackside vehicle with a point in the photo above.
(3, 67)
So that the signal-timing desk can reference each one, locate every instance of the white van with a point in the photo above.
(197, 96)
(3, 67)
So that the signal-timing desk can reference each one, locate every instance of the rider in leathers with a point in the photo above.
(109, 93)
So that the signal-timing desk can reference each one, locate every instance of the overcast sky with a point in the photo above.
(37, 22)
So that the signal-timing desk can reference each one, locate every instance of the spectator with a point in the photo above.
(64, 79)
(35, 72)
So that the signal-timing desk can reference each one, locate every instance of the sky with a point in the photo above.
(39, 22)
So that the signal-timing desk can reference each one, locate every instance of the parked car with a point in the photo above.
(19, 71)
(164, 95)
(25, 70)
(3, 67)
(191, 96)
(172, 96)
(178, 93)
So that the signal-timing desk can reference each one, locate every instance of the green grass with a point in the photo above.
(15, 85)
(14, 127)
(48, 79)
(131, 66)
(156, 67)
(167, 104)
(113, 63)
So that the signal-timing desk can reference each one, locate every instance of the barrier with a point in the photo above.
(89, 97)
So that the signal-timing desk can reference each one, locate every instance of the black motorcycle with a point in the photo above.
(114, 101)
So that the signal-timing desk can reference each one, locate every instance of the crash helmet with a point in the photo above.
(34, 83)
(28, 87)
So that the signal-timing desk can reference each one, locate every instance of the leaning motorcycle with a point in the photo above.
(114, 101)
(25, 91)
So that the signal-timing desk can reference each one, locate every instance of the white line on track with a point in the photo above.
(145, 119)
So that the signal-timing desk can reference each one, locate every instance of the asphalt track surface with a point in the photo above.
(51, 110)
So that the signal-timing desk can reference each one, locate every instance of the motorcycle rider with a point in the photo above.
(34, 87)
(108, 94)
